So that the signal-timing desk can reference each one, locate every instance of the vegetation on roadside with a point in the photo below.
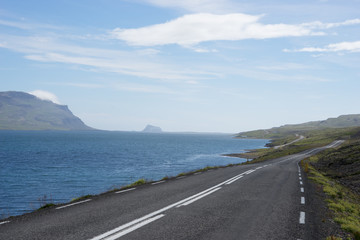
(313, 139)
(343, 121)
(344, 204)
(47, 206)
(81, 198)
(45, 202)
(337, 171)
(141, 181)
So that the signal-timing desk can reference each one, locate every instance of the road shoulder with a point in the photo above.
(320, 217)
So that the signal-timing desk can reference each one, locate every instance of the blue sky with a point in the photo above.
(191, 65)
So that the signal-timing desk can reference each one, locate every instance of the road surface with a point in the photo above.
(259, 201)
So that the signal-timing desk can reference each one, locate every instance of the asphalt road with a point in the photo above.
(260, 201)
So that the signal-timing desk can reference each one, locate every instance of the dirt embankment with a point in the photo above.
(343, 165)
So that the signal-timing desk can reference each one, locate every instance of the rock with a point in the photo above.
(152, 129)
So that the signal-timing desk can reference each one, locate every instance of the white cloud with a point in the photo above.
(209, 6)
(44, 95)
(81, 85)
(193, 29)
(143, 88)
(283, 66)
(320, 25)
(141, 63)
(335, 47)
(26, 25)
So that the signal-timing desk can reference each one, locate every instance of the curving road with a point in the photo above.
(259, 201)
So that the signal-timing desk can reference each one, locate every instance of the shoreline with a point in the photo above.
(249, 155)
(138, 183)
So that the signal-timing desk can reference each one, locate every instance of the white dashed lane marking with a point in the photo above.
(302, 218)
(72, 204)
(126, 190)
(158, 182)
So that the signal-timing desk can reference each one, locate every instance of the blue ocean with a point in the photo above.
(55, 166)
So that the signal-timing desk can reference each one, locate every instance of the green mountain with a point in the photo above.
(343, 121)
(23, 111)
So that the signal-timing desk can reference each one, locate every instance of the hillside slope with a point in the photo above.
(23, 111)
(343, 121)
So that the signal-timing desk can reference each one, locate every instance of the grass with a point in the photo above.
(139, 182)
(81, 198)
(334, 164)
(45, 202)
(333, 238)
(313, 139)
(46, 206)
(344, 204)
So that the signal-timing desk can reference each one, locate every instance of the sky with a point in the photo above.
(190, 65)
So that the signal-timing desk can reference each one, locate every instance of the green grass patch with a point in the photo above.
(139, 182)
(333, 238)
(313, 139)
(47, 206)
(343, 203)
(81, 198)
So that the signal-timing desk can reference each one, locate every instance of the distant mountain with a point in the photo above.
(23, 111)
(152, 129)
(351, 120)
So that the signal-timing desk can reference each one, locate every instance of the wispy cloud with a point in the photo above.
(140, 63)
(209, 6)
(27, 25)
(45, 95)
(335, 47)
(320, 25)
(192, 29)
(144, 88)
(80, 85)
(283, 66)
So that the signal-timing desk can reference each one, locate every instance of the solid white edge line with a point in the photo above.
(199, 197)
(134, 227)
(158, 182)
(181, 177)
(72, 204)
(126, 190)
(302, 218)
(4, 222)
(302, 200)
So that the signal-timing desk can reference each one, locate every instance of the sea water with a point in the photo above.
(37, 167)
